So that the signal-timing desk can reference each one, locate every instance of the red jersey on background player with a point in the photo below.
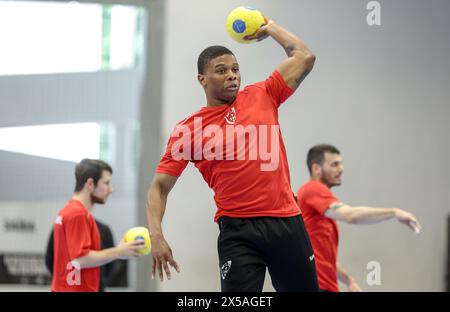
(321, 209)
(77, 255)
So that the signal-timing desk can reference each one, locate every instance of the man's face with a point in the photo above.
(222, 78)
(102, 189)
(332, 169)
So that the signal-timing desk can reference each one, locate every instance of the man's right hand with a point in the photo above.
(129, 250)
(261, 33)
(408, 219)
(162, 254)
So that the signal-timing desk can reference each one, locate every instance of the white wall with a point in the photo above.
(378, 93)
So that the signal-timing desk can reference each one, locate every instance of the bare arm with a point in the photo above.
(345, 278)
(98, 258)
(157, 195)
(369, 215)
(300, 60)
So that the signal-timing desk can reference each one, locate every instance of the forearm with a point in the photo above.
(97, 258)
(291, 43)
(300, 60)
(156, 206)
(369, 215)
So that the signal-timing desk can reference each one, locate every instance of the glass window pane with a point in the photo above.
(70, 142)
(49, 37)
(44, 37)
(123, 36)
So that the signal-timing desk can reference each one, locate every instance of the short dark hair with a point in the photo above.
(208, 54)
(316, 154)
(89, 168)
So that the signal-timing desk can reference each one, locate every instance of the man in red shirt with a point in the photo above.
(236, 144)
(77, 254)
(321, 209)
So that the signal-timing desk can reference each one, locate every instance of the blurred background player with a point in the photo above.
(110, 273)
(77, 247)
(321, 209)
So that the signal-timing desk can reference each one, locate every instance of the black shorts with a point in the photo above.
(247, 246)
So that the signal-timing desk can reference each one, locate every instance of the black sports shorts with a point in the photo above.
(247, 246)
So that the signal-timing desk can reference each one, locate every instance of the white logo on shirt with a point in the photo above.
(230, 118)
(311, 258)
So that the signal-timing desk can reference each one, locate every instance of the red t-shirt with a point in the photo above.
(246, 181)
(314, 198)
(75, 234)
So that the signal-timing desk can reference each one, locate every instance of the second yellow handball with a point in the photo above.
(140, 233)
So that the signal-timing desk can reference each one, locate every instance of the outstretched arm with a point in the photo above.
(300, 60)
(161, 185)
(369, 215)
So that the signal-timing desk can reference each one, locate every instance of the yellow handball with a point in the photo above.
(141, 233)
(244, 21)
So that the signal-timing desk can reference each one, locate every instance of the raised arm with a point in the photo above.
(161, 185)
(369, 215)
(300, 60)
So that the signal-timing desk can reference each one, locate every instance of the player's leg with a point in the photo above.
(241, 265)
(290, 256)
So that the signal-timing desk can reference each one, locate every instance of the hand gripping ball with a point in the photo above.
(142, 233)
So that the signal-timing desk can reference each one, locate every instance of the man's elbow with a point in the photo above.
(309, 60)
(344, 216)
(350, 218)
(305, 60)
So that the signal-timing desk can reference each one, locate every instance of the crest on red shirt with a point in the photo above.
(230, 118)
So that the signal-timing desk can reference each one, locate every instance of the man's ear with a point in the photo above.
(90, 185)
(316, 170)
(202, 80)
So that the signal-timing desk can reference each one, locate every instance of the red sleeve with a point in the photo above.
(170, 166)
(277, 88)
(78, 236)
(319, 197)
(174, 164)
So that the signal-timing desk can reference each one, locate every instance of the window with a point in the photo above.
(49, 37)
(70, 142)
